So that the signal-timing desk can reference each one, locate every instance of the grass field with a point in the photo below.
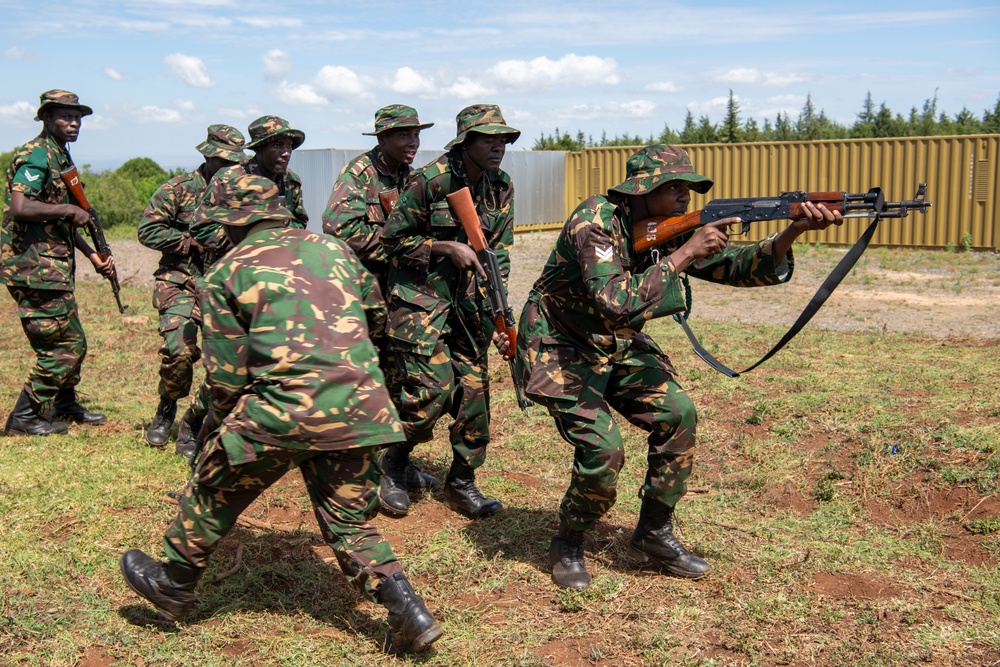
(846, 495)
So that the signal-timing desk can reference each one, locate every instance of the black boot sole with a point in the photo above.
(423, 640)
(646, 559)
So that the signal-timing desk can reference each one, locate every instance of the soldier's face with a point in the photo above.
(62, 123)
(399, 146)
(274, 155)
(214, 164)
(669, 199)
(485, 151)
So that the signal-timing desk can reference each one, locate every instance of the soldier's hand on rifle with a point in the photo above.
(104, 267)
(501, 341)
(818, 218)
(77, 216)
(460, 254)
(710, 239)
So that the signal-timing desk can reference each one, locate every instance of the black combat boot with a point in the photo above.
(392, 495)
(159, 429)
(569, 569)
(169, 586)
(417, 480)
(653, 542)
(28, 418)
(411, 626)
(462, 495)
(67, 408)
(187, 436)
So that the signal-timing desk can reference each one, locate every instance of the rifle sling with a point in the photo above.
(831, 282)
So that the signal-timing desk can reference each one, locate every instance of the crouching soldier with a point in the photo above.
(294, 382)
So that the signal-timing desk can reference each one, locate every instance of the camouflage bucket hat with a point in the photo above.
(269, 127)
(61, 98)
(652, 166)
(482, 118)
(394, 116)
(239, 199)
(223, 141)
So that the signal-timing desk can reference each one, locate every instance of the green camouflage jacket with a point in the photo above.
(595, 293)
(355, 213)
(212, 235)
(287, 356)
(39, 255)
(423, 290)
(166, 226)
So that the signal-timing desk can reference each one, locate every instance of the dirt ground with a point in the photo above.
(928, 300)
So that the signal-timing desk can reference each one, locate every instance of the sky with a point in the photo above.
(158, 72)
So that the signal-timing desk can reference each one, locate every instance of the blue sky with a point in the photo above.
(157, 72)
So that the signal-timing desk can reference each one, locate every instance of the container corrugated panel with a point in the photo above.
(961, 172)
(539, 181)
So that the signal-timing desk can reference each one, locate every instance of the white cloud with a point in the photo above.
(299, 94)
(112, 74)
(18, 114)
(241, 114)
(277, 65)
(271, 22)
(98, 122)
(663, 87)
(465, 88)
(340, 82)
(184, 105)
(609, 110)
(15, 53)
(189, 69)
(408, 81)
(543, 74)
(154, 114)
(709, 107)
(755, 77)
(786, 105)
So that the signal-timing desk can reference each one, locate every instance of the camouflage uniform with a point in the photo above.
(361, 199)
(294, 382)
(210, 234)
(583, 352)
(38, 263)
(439, 320)
(166, 227)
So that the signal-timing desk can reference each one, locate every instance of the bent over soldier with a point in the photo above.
(584, 353)
(38, 239)
(439, 321)
(362, 197)
(294, 383)
(166, 226)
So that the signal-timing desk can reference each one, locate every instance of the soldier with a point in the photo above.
(439, 322)
(166, 226)
(38, 265)
(272, 139)
(361, 199)
(294, 382)
(581, 344)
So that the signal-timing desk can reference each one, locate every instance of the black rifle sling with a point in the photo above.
(839, 272)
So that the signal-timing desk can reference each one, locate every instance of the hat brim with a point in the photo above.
(417, 126)
(230, 218)
(210, 150)
(298, 138)
(491, 128)
(82, 108)
(646, 184)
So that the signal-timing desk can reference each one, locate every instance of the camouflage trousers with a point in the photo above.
(342, 486)
(51, 321)
(644, 392)
(387, 363)
(452, 380)
(179, 324)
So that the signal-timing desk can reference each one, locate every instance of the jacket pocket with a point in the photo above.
(415, 320)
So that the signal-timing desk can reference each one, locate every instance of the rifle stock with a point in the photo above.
(503, 317)
(388, 201)
(71, 178)
(786, 206)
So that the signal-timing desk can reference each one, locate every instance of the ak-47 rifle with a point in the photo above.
(786, 206)
(651, 232)
(388, 201)
(72, 180)
(503, 317)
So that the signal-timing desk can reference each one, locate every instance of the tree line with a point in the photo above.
(810, 125)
